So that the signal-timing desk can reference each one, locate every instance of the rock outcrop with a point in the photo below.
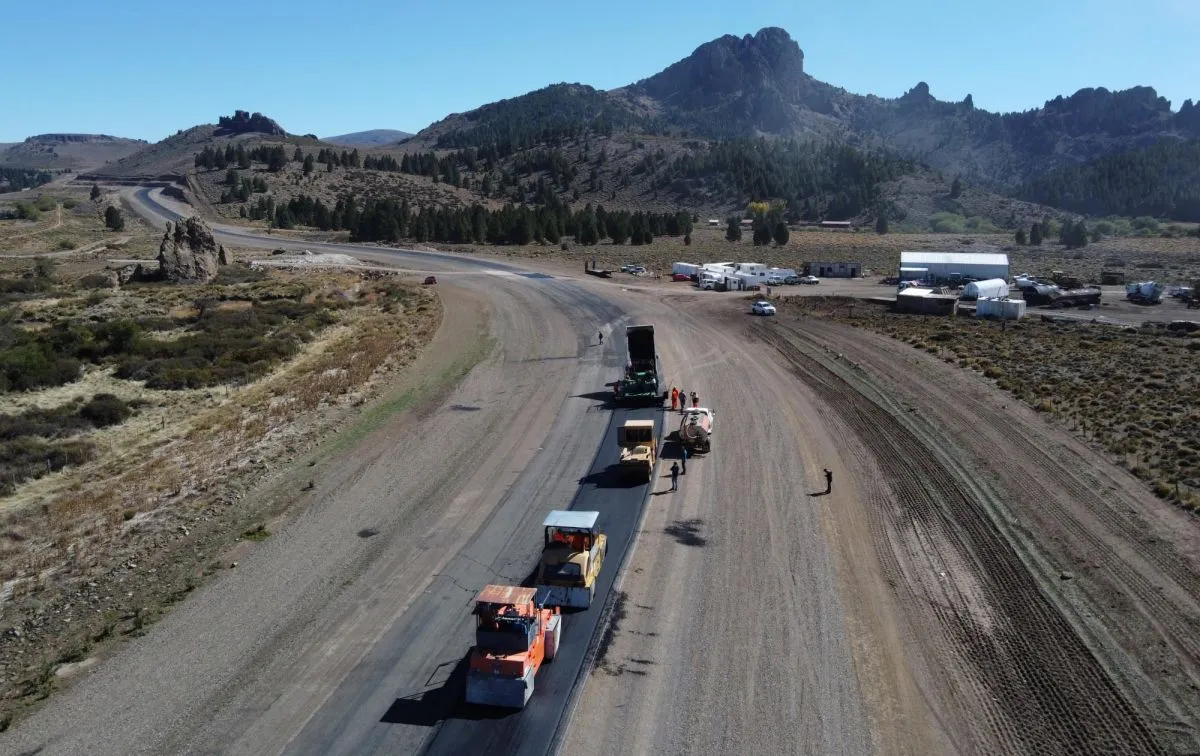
(189, 253)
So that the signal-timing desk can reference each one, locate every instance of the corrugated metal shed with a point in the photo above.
(908, 259)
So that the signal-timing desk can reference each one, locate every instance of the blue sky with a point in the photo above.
(145, 69)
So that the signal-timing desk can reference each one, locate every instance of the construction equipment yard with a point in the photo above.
(977, 581)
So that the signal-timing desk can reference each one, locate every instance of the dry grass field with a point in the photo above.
(1133, 393)
(133, 419)
(71, 226)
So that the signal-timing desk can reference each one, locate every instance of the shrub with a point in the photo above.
(95, 281)
(105, 410)
(28, 458)
(947, 223)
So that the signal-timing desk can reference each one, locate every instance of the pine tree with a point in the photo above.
(733, 231)
(113, 219)
(95, 194)
(309, 163)
(781, 233)
(297, 156)
(881, 224)
(1020, 239)
(1035, 234)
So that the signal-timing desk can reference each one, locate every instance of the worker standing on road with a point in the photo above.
(674, 476)
(828, 480)
(674, 398)
(695, 399)
(682, 401)
(600, 336)
(683, 455)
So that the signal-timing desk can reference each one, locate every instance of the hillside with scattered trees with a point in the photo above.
(1161, 180)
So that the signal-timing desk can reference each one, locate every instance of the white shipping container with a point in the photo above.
(993, 287)
(1006, 309)
(687, 269)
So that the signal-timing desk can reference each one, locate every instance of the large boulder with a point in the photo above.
(189, 253)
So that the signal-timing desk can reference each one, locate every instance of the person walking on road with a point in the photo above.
(674, 476)
(674, 398)
(601, 337)
(682, 401)
(695, 399)
(683, 455)
(828, 480)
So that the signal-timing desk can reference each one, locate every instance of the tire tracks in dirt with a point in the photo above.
(1027, 682)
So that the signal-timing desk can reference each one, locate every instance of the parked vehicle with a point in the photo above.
(695, 430)
(430, 280)
(774, 281)
(762, 308)
(810, 280)
(791, 280)
(680, 277)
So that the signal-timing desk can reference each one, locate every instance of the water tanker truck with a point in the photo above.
(695, 429)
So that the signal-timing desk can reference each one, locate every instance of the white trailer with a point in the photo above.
(684, 268)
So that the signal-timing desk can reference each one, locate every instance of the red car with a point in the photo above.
(430, 280)
(680, 277)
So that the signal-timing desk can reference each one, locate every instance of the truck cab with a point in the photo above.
(571, 559)
(639, 449)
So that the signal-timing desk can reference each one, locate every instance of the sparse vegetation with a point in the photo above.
(1130, 392)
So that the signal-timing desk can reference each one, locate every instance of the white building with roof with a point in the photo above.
(936, 267)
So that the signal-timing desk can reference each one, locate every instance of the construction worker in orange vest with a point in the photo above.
(674, 398)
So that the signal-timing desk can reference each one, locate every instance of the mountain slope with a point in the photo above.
(756, 85)
(174, 156)
(68, 151)
(371, 138)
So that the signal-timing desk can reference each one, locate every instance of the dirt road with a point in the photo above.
(1005, 588)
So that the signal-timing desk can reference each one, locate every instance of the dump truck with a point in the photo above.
(642, 380)
(571, 559)
(514, 636)
(695, 429)
(638, 449)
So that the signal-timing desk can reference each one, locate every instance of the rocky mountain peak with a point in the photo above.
(769, 59)
(244, 122)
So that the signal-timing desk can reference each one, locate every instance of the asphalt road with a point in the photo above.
(363, 713)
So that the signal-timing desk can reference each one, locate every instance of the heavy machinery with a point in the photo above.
(639, 449)
(695, 429)
(642, 380)
(571, 559)
(513, 637)
(1145, 292)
